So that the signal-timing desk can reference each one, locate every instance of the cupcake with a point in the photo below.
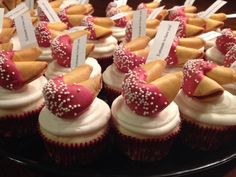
(21, 98)
(74, 122)
(62, 50)
(208, 112)
(126, 57)
(145, 119)
(103, 41)
(223, 44)
(45, 32)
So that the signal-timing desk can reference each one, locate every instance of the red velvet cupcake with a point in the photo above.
(21, 99)
(208, 112)
(74, 123)
(145, 120)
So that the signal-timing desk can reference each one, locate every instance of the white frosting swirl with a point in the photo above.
(103, 47)
(162, 124)
(55, 69)
(219, 112)
(213, 54)
(29, 94)
(113, 77)
(92, 120)
(118, 33)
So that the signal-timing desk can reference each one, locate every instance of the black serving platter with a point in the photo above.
(181, 160)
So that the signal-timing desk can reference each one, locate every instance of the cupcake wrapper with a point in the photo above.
(144, 149)
(81, 154)
(20, 125)
(104, 62)
(202, 138)
(110, 93)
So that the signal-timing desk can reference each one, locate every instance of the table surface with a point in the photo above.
(10, 169)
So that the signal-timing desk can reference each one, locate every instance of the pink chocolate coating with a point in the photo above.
(194, 71)
(172, 59)
(126, 60)
(230, 57)
(226, 41)
(43, 34)
(61, 50)
(64, 18)
(142, 98)
(10, 77)
(66, 100)
(182, 26)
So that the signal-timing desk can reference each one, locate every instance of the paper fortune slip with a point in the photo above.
(155, 12)
(1, 18)
(209, 35)
(212, 9)
(78, 51)
(25, 30)
(139, 23)
(48, 11)
(189, 2)
(19, 10)
(163, 40)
